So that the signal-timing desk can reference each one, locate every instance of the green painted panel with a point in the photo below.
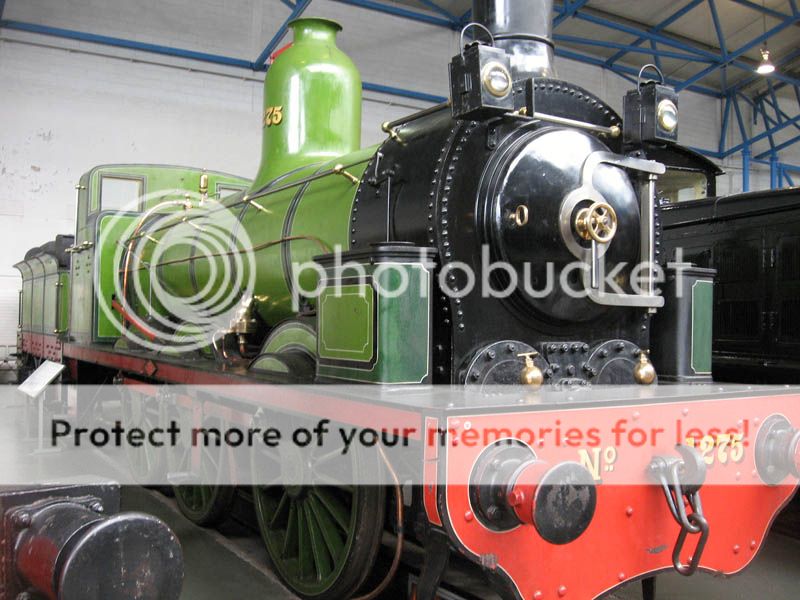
(401, 323)
(111, 228)
(702, 319)
(82, 298)
(346, 318)
(37, 297)
(27, 305)
(63, 302)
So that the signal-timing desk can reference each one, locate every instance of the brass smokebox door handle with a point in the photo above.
(597, 222)
(520, 216)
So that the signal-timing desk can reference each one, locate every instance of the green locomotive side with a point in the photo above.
(108, 198)
(45, 294)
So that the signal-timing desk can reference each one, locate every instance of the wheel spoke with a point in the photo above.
(290, 538)
(328, 456)
(334, 506)
(323, 478)
(280, 511)
(322, 561)
(304, 554)
(327, 527)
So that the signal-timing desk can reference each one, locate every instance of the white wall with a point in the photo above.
(66, 106)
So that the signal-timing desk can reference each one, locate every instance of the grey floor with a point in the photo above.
(217, 566)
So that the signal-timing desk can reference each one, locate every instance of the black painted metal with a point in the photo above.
(489, 481)
(753, 241)
(67, 543)
(450, 184)
(523, 30)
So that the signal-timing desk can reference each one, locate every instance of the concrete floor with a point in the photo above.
(232, 564)
(219, 565)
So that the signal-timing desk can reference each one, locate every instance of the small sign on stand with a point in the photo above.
(35, 388)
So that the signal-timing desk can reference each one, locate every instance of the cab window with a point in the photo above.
(120, 193)
(681, 185)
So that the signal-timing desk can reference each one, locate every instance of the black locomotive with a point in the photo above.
(753, 242)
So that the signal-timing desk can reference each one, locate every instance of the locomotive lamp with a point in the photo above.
(481, 82)
(651, 112)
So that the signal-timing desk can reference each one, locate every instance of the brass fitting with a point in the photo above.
(597, 222)
(644, 373)
(387, 128)
(339, 170)
(531, 374)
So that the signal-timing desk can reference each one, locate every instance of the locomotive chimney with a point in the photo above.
(522, 28)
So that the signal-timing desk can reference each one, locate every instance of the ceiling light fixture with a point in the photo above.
(765, 67)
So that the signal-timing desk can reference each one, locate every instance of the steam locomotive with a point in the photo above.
(521, 179)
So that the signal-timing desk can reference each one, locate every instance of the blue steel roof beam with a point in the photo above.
(712, 7)
(656, 55)
(784, 60)
(106, 40)
(658, 27)
(779, 111)
(762, 9)
(465, 18)
(568, 10)
(775, 105)
(593, 60)
(723, 135)
(394, 91)
(738, 111)
(261, 62)
(779, 147)
(628, 73)
(777, 76)
(647, 35)
(438, 9)
(2, 8)
(625, 71)
(767, 127)
(761, 136)
(405, 13)
(289, 4)
(581, 41)
(740, 51)
(199, 56)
